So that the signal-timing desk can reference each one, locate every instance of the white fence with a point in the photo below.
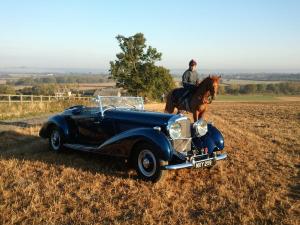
(38, 98)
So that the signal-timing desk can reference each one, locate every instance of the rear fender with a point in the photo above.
(57, 121)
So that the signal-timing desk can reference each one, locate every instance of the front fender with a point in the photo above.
(58, 121)
(126, 140)
(213, 140)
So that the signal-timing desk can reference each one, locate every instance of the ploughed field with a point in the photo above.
(257, 184)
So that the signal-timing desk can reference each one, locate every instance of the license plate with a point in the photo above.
(203, 164)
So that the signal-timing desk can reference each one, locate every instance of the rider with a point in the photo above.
(189, 80)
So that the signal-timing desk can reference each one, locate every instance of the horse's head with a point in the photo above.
(208, 88)
(214, 85)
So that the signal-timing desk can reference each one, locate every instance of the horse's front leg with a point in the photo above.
(195, 115)
(201, 111)
(201, 114)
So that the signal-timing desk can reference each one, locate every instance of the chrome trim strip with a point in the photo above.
(193, 163)
(178, 166)
(181, 138)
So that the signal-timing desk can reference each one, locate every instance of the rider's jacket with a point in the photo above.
(189, 78)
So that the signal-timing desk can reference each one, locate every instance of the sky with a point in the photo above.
(240, 36)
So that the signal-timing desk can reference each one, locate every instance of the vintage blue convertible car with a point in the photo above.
(153, 142)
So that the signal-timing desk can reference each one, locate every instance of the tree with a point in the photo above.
(250, 88)
(135, 68)
(44, 89)
(261, 88)
(7, 89)
(232, 89)
(272, 88)
(221, 90)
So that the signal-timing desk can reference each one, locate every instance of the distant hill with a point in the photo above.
(176, 73)
(253, 76)
(265, 76)
(36, 70)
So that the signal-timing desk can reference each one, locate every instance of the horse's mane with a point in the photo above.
(204, 83)
(209, 78)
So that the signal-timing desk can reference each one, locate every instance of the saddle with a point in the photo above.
(182, 97)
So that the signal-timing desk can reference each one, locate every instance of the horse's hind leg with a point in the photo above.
(169, 108)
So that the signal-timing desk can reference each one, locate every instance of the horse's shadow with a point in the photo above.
(35, 149)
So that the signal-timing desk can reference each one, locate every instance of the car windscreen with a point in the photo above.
(105, 102)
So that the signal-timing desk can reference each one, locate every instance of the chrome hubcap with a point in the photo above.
(147, 163)
(55, 140)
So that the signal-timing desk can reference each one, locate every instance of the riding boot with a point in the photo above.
(187, 102)
(182, 98)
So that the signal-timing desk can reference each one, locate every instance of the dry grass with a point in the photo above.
(18, 110)
(257, 184)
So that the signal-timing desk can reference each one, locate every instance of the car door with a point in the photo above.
(90, 128)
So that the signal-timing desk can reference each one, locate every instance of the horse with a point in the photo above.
(203, 95)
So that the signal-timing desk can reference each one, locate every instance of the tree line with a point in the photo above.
(285, 88)
(68, 79)
(37, 89)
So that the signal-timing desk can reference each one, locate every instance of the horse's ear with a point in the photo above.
(209, 75)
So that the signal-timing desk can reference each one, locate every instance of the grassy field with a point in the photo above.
(17, 110)
(257, 184)
(247, 98)
(244, 82)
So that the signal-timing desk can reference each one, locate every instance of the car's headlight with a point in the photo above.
(175, 131)
(200, 127)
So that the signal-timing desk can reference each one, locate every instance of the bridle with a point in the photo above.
(211, 95)
(210, 90)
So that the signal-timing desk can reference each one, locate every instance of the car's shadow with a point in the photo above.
(14, 145)
(17, 123)
(294, 191)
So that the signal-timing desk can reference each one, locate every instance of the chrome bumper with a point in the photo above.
(194, 162)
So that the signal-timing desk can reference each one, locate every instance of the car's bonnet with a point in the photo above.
(141, 117)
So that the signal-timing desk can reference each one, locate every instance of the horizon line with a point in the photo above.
(27, 69)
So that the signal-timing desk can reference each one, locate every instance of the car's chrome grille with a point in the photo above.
(185, 128)
(182, 145)
(184, 142)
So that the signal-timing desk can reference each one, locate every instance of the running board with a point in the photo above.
(82, 147)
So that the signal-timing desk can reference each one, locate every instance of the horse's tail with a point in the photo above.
(169, 108)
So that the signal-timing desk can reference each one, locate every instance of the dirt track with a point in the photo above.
(6, 125)
(257, 184)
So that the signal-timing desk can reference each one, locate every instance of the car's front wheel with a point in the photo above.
(56, 140)
(147, 163)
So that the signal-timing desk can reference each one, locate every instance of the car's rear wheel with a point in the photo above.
(147, 163)
(56, 140)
